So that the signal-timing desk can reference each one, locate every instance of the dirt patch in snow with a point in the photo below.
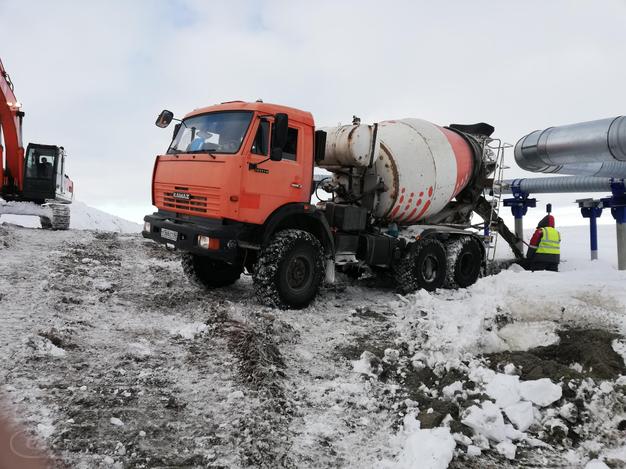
(376, 340)
(60, 338)
(369, 342)
(579, 353)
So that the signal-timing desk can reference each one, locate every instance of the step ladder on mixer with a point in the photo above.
(494, 150)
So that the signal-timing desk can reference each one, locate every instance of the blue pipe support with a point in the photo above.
(593, 213)
(617, 201)
(519, 205)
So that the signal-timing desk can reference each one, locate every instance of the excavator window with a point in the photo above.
(40, 163)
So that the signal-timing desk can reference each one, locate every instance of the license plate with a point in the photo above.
(169, 234)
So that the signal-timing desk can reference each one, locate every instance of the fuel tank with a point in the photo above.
(423, 166)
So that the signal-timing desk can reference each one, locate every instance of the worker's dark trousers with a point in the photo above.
(529, 264)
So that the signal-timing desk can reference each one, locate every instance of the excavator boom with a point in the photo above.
(12, 155)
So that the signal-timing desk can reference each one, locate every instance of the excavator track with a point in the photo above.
(53, 216)
(60, 217)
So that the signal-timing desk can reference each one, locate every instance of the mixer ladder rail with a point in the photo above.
(497, 146)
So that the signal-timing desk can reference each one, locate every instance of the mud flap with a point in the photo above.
(330, 271)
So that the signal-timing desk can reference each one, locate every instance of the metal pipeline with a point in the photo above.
(595, 148)
(553, 185)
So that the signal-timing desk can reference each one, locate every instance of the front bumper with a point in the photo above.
(188, 232)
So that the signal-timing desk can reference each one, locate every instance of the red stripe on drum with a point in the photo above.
(424, 208)
(464, 159)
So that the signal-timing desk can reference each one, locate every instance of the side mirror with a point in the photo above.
(279, 136)
(164, 118)
(276, 154)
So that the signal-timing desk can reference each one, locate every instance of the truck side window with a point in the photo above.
(290, 150)
(260, 143)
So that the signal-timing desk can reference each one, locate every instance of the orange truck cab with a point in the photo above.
(234, 175)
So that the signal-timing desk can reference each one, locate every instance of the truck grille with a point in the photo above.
(202, 201)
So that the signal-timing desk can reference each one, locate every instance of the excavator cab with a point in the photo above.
(44, 176)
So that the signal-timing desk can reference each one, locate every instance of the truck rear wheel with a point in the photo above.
(289, 270)
(209, 273)
(424, 266)
(465, 258)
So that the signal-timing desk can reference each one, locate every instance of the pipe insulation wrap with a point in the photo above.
(555, 185)
(595, 148)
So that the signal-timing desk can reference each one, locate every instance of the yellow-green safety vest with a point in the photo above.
(550, 242)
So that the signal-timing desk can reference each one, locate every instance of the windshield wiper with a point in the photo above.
(212, 155)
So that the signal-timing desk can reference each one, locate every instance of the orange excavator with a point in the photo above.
(32, 181)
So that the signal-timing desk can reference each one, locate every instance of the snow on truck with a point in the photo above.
(234, 189)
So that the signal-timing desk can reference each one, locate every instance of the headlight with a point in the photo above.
(208, 243)
(147, 227)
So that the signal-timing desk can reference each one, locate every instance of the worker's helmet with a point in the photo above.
(546, 221)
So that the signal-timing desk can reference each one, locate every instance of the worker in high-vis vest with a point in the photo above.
(544, 251)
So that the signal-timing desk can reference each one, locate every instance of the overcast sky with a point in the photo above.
(92, 76)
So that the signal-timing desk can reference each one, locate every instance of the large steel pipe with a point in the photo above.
(553, 185)
(596, 148)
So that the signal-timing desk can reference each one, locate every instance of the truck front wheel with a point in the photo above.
(209, 273)
(289, 269)
(423, 266)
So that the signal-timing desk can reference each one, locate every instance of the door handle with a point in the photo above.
(296, 185)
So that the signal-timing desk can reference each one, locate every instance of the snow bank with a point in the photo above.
(504, 389)
(83, 217)
(541, 392)
(424, 448)
(521, 415)
(527, 335)
(596, 464)
(188, 331)
(486, 420)
(514, 311)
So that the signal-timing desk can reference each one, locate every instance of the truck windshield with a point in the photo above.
(217, 132)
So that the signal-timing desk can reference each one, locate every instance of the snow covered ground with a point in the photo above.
(112, 359)
(83, 217)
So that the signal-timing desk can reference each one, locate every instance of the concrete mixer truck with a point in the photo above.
(233, 193)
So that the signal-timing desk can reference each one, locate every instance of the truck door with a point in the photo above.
(272, 184)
